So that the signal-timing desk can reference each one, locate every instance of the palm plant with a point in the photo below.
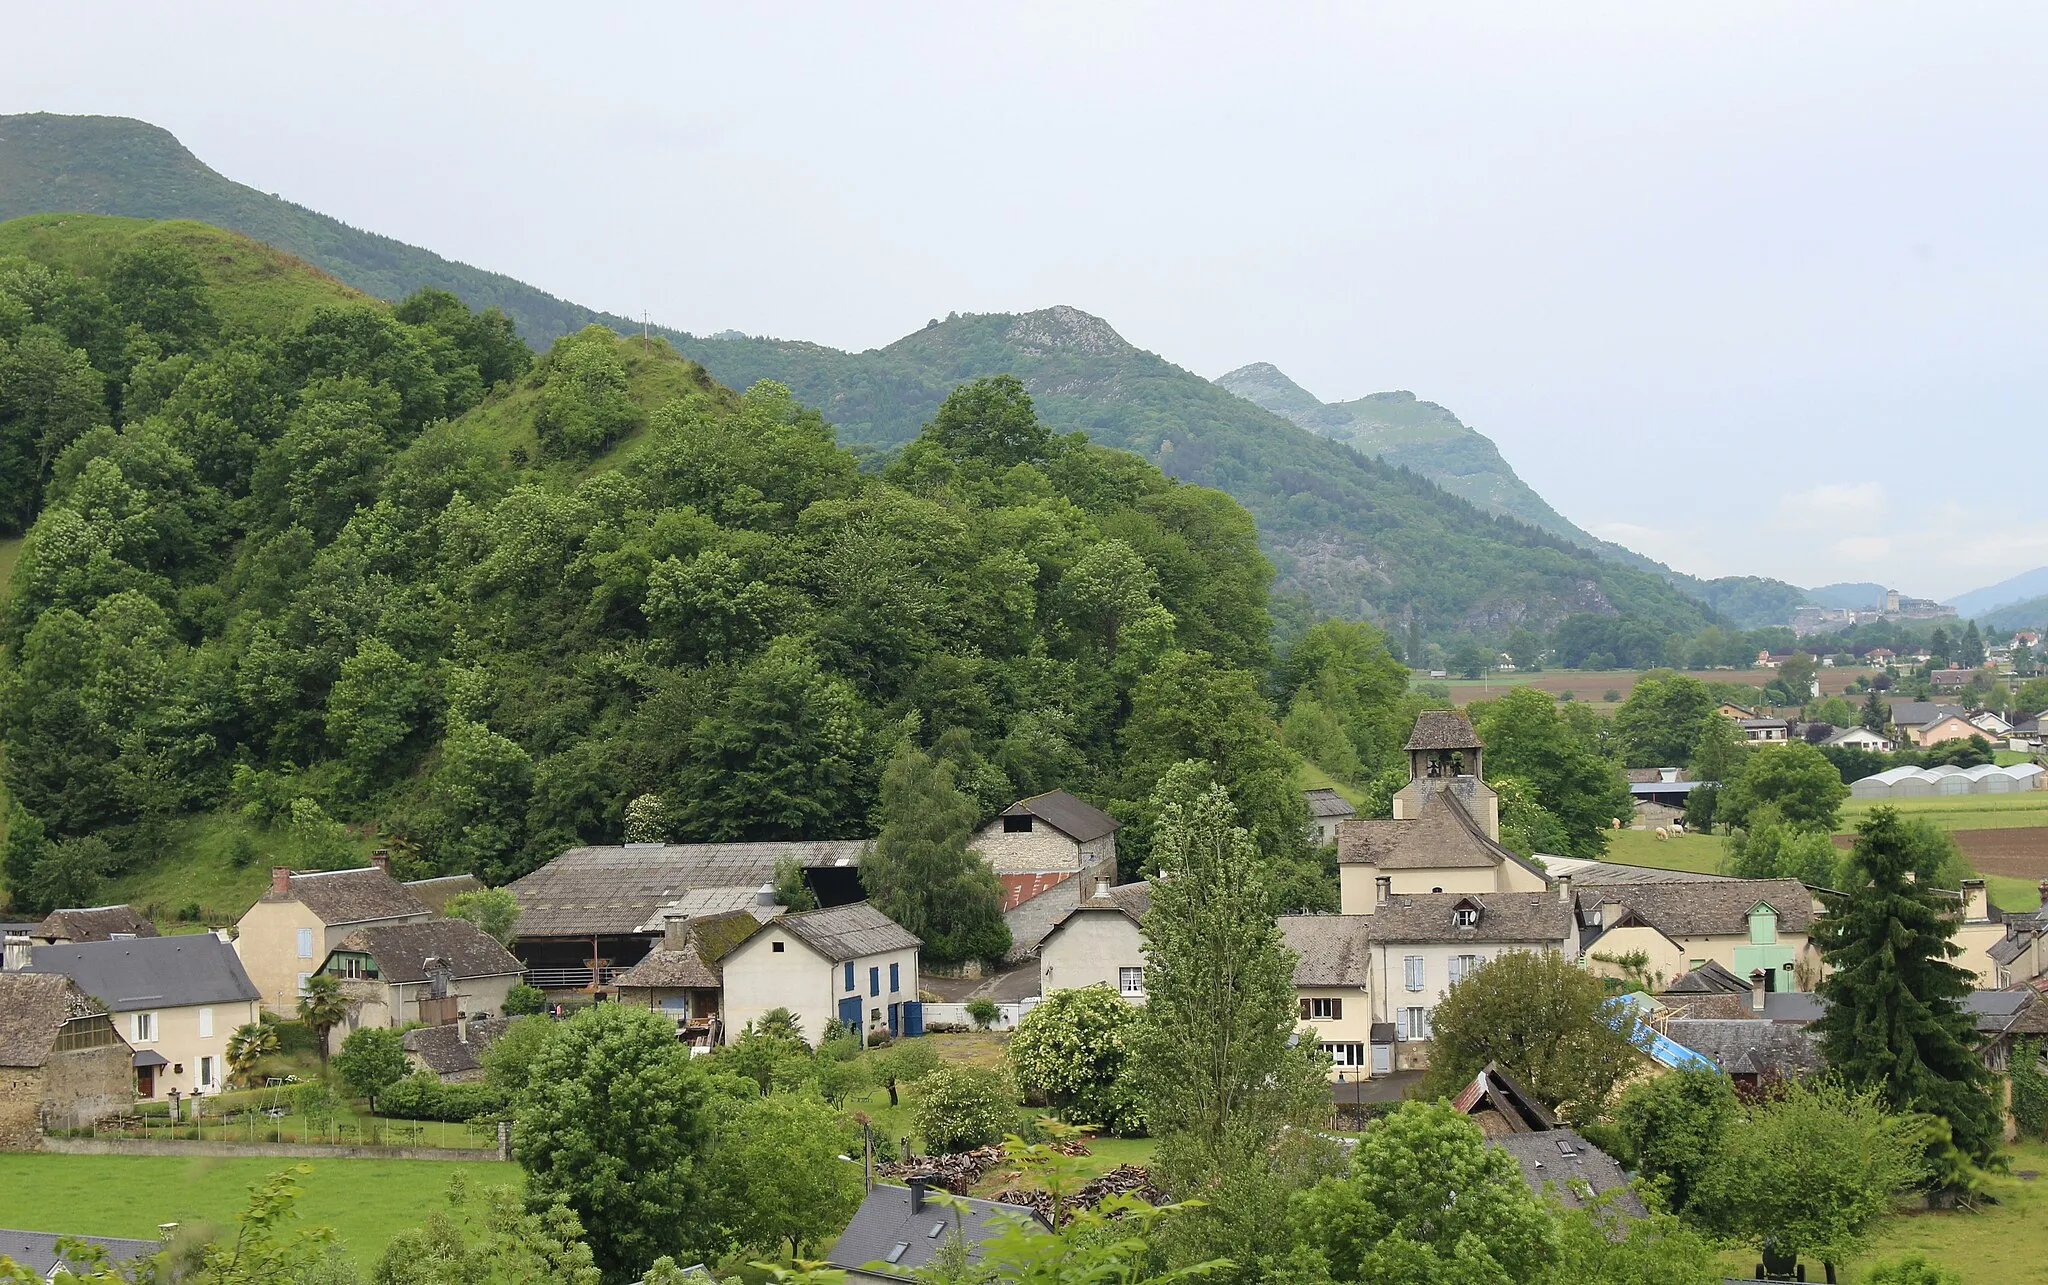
(250, 1044)
(322, 1007)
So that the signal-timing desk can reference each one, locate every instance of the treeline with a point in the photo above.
(285, 571)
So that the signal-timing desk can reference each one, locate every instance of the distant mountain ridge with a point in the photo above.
(2011, 591)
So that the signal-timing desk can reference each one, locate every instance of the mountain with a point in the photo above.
(1848, 594)
(1979, 602)
(2029, 613)
(1359, 536)
(114, 165)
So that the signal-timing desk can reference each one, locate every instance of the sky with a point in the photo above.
(1754, 289)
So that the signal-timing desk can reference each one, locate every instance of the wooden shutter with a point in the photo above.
(1304, 1010)
(1336, 1010)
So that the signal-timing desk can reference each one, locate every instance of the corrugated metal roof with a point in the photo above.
(614, 891)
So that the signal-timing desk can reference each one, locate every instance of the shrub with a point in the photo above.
(423, 1097)
(524, 1001)
(960, 1108)
(983, 1012)
(1070, 1051)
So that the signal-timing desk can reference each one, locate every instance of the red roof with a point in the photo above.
(1018, 889)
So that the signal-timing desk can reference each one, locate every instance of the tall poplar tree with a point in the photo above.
(1894, 1019)
(921, 872)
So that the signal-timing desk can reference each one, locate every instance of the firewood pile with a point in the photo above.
(1124, 1180)
(959, 1172)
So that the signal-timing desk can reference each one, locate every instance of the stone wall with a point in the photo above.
(87, 1085)
(21, 1097)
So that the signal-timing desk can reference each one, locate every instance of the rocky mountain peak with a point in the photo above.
(1064, 328)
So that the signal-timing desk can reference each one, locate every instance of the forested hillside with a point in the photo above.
(1359, 537)
(313, 561)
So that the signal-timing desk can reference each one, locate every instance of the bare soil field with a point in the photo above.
(2014, 852)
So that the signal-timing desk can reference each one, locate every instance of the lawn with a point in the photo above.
(1700, 853)
(2002, 1244)
(1960, 811)
(1307, 776)
(199, 870)
(365, 1201)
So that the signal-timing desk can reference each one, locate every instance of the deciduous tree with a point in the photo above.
(1072, 1051)
(921, 872)
(1542, 1018)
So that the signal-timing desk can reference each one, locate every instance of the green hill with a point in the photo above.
(1358, 536)
(114, 165)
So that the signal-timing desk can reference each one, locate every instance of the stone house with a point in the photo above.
(455, 1052)
(1325, 809)
(177, 1001)
(850, 964)
(283, 938)
(92, 923)
(681, 977)
(1099, 942)
(1744, 925)
(1333, 989)
(1048, 832)
(432, 971)
(63, 1063)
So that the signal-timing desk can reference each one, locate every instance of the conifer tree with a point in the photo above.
(921, 872)
(1894, 1019)
(1875, 712)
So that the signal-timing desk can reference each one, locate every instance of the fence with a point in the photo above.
(1007, 1015)
(567, 979)
(297, 1150)
(326, 1132)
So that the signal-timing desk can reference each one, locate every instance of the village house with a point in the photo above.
(1764, 731)
(897, 1231)
(1952, 679)
(2020, 957)
(1941, 730)
(1993, 727)
(681, 977)
(1048, 832)
(1982, 931)
(849, 964)
(40, 1253)
(1861, 738)
(1099, 943)
(1734, 713)
(1325, 809)
(63, 1063)
(1556, 1162)
(176, 1000)
(1422, 944)
(1333, 990)
(1665, 929)
(92, 923)
(431, 971)
(294, 926)
(455, 1053)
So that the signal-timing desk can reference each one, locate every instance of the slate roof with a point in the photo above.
(1079, 821)
(1749, 1046)
(32, 1007)
(2021, 1011)
(151, 972)
(1717, 908)
(442, 1049)
(884, 1221)
(1328, 803)
(1131, 900)
(1333, 950)
(1567, 1168)
(1921, 713)
(1443, 729)
(94, 923)
(37, 1250)
(849, 932)
(1595, 873)
(1442, 836)
(435, 894)
(1709, 978)
(1503, 917)
(613, 891)
(2011, 946)
(402, 950)
(351, 896)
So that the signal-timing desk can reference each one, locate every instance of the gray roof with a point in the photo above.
(1443, 729)
(1921, 713)
(616, 891)
(402, 950)
(1079, 821)
(1594, 873)
(32, 1008)
(436, 893)
(151, 972)
(848, 932)
(884, 1221)
(351, 896)
(444, 1050)
(1749, 1046)
(94, 923)
(1443, 835)
(1564, 1166)
(1503, 917)
(1711, 908)
(1131, 900)
(1328, 803)
(1709, 978)
(1332, 950)
(1647, 789)
(37, 1250)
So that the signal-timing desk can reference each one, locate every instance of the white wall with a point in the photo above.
(759, 978)
(1089, 949)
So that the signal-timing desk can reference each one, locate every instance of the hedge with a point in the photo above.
(423, 1097)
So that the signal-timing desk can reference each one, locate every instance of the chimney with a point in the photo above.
(462, 1028)
(381, 859)
(1976, 903)
(675, 931)
(1564, 889)
(2042, 888)
(17, 957)
(919, 1184)
(281, 880)
(1756, 991)
(225, 933)
(766, 896)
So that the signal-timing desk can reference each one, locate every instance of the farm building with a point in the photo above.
(1911, 782)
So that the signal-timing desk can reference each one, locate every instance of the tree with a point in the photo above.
(1797, 779)
(524, 1000)
(69, 873)
(1663, 719)
(1894, 1021)
(1426, 1201)
(1526, 737)
(249, 1045)
(1471, 660)
(611, 1123)
(371, 1060)
(1768, 848)
(1720, 753)
(486, 1237)
(1219, 1073)
(922, 874)
(322, 1007)
(1600, 1245)
(989, 420)
(25, 848)
(1673, 1125)
(1809, 1172)
(1526, 826)
(1071, 1051)
(494, 910)
(1970, 651)
(49, 396)
(1543, 1019)
(1796, 675)
(585, 399)
(960, 1108)
(509, 1059)
(263, 1252)
(1875, 713)
(776, 1175)
(903, 1062)
(476, 799)
(792, 890)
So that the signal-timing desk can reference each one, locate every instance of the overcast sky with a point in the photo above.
(1751, 288)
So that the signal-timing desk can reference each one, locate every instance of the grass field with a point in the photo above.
(2003, 1244)
(365, 1201)
(1592, 685)
(1960, 811)
(201, 871)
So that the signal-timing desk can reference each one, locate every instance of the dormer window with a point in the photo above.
(1466, 915)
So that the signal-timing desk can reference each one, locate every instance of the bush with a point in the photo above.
(423, 1097)
(1070, 1051)
(960, 1108)
(983, 1012)
(293, 1036)
(524, 1001)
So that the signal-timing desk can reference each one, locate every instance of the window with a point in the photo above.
(142, 1028)
(305, 943)
(775, 948)
(1465, 917)
(849, 975)
(1411, 1024)
(1017, 825)
(1345, 1054)
(895, 982)
(896, 1251)
(205, 1023)
(302, 982)
(1412, 965)
(874, 981)
(1463, 966)
(206, 1073)
(1130, 981)
(94, 1031)
(1763, 926)
(1325, 1008)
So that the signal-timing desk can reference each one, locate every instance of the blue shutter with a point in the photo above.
(849, 1013)
(874, 981)
(913, 1017)
(849, 975)
(895, 981)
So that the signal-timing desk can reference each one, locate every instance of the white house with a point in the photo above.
(1424, 943)
(852, 964)
(1862, 738)
(1325, 809)
(1099, 943)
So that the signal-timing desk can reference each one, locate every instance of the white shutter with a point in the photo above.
(205, 1023)
(1401, 1024)
(1414, 967)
